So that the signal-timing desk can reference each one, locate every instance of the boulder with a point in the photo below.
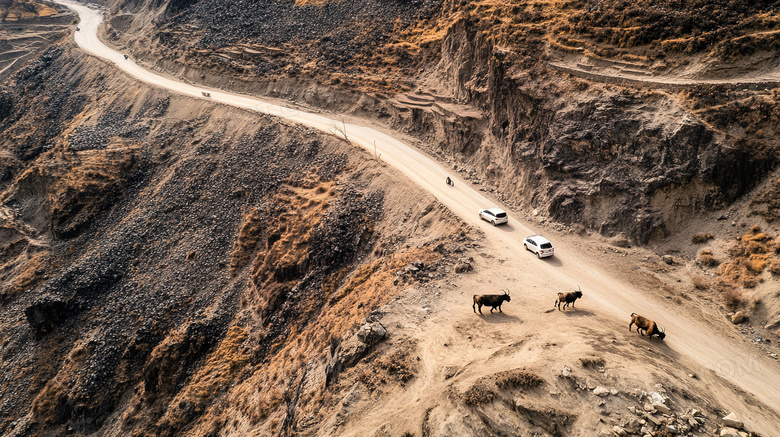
(738, 317)
(372, 333)
(619, 431)
(655, 420)
(662, 408)
(601, 391)
(728, 432)
(668, 259)
(463, 268)
(731, 421)
(657, 398)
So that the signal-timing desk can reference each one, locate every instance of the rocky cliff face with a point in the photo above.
(613, 159)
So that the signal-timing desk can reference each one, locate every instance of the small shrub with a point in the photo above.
(517, 378)
(700, 282)
(774, 268)
(754, 247)
(755, 264)
(592, 362)
(478, 394)
(757, 236)
(707, 260)
(701, 238)
(733, 299)
(749, 282)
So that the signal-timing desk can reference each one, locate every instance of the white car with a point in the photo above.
(493, 215)
(539, 245)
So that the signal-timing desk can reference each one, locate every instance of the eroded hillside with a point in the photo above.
(161, 257)
(174, 267)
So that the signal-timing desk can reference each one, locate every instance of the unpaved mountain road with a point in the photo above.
(698, 345)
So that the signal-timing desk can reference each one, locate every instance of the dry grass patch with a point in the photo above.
(212, 381)
(733, 299)
(707, 260)
(749, 257)
(395, 367)
(700, 282)
(701, 238)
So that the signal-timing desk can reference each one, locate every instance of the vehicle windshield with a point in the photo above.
(546, 246)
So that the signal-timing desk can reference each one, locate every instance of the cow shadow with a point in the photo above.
(497, 318)
(576, 312)
(655, 345)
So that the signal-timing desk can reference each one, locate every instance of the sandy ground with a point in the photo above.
(692, 345)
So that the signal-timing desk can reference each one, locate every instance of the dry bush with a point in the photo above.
(707, 260)
(592, 362)
(749, 282)
(518, 378)
(701, 238)
(247, 239)
(733, 299)
(701, 282)
(774, 268)
(395, 366)
(478, 394)
(755, 263)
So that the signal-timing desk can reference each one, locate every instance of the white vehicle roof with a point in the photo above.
(495, 211)
(539, 239)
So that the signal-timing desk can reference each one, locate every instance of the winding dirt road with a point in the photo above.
(697, 345)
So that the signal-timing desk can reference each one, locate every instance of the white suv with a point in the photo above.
(493, 215)
(539, 245)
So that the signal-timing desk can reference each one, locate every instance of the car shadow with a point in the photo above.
(506, 227)
(551, 260)
(497, 317)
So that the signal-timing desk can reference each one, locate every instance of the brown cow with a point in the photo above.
(568, 298)
(492, 300)
(647, 325)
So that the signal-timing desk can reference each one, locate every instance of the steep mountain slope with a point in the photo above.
(148, 239)
(175, 267)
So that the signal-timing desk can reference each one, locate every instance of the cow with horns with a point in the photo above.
(492, 300)
(568, 298)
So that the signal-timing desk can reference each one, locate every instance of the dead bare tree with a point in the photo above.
(340, 130)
